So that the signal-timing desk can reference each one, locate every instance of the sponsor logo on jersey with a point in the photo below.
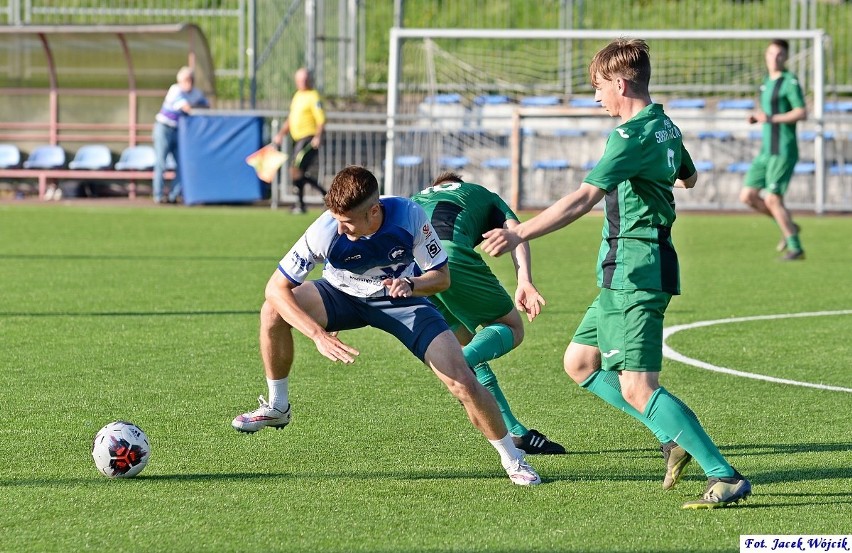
(352, 257)
(622, 133)
(610, 353)
(667, 134)
(434, 248)
(302, 263)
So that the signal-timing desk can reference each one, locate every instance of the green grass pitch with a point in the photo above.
(150, 315)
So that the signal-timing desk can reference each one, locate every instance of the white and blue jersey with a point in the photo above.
(405, 240)
(175, 100)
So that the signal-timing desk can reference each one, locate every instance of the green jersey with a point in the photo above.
(461, 212)
(780, 96)
(642, 159)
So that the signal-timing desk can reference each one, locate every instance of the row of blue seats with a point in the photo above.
(581, 102)
(710, 134)
(92, 157)
(504, 163)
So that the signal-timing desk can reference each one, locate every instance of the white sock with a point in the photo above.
(507, 450)
(279, 396)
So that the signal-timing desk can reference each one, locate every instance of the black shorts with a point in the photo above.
(304, 155)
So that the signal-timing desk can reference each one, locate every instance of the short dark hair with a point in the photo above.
(351, 188)
(781, 43)
(447, 176)
(627, 58)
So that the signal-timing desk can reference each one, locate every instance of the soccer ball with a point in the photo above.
(121, 450)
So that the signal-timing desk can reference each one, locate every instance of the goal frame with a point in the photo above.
(399, 35)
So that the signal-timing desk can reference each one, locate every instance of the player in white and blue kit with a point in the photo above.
(369, 248)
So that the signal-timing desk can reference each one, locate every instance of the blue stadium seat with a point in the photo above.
(46, 157)
(735, 104)
(589, 165)
(810, 136)
(739, 167)
(540, 101)
(551, 164)
(805, 168)
(571, 133)
(491, 100)
(704, 165)
(137, 158)
(444, 99)
(454, 162)
(10, 156)
(834, 107)
(687, 103)
(408, 161)
(724, 136)
(583, 103)
(497, 163)
(92, 157)
(845, 169)
(755, 135)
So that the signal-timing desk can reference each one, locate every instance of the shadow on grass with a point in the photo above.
(247, 476)
(785, 449)
(126, 257)
(129, 313)
(808, 499)
(738, 449)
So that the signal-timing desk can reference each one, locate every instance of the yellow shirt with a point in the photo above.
(306, 114)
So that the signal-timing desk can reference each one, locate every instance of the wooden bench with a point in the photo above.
(52, 175)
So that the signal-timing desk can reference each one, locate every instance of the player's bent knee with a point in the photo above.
(580, 362)
(748, 196)
(269, 317)
(773, 201)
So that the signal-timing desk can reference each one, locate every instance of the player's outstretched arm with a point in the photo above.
(279, 293)
(527, 298)
(562, 213)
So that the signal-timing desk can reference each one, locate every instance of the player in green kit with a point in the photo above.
(461, 212)
(616, 352)
(781, 106)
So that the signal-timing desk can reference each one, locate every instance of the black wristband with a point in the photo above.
(409, 282)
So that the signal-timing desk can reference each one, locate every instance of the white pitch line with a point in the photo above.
(675, 356)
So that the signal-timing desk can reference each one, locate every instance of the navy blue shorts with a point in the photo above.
(413, 321)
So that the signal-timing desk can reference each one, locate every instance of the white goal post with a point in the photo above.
(404, 89)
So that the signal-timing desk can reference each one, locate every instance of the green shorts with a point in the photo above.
(771, 173)
(475, 296)
(627, 327)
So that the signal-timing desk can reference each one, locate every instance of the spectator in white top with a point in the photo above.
(180, 99)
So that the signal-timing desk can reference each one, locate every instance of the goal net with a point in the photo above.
(514, 110)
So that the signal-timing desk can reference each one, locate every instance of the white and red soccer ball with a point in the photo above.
(121, 450)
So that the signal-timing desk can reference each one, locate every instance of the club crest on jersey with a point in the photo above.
(426, 231)
(396, 254)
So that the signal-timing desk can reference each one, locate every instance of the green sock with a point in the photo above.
(605, 385)
(487, 378)
(489, 343)
(678, 420)
(793, 243)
